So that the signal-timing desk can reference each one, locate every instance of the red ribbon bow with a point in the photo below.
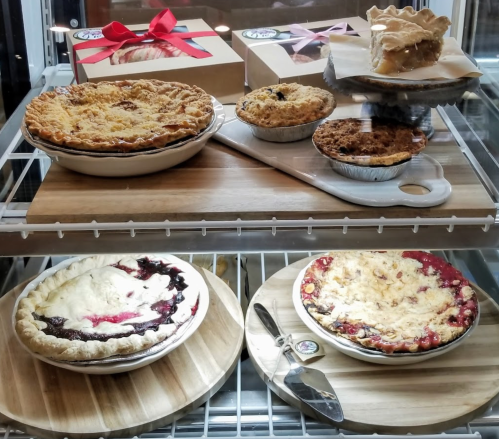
(116, 35)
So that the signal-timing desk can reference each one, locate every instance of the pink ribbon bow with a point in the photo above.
(309, 36)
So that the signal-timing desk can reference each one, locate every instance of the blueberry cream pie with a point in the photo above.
(369, 142)
(405, 39)
(393, 301)
(120, 116)
(285, 105)
(108, 305)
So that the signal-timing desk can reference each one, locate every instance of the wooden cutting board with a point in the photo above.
(51, 402)
(429, 397)
(222, 184)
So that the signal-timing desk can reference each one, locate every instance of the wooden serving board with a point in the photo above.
(51, 402)
(222, 184)
(429, 397)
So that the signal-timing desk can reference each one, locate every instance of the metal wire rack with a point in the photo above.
(245, 407)
(13, 213)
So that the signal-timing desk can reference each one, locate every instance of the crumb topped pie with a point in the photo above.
(285, 105)
(108, 305)
(393, 301)
(369, 142)
(405, 39)
(120, 116)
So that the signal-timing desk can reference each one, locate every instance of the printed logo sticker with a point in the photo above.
(307, 347)
(260, 33)
(88, 34)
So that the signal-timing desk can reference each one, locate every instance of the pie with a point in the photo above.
(405, 39)
(145, 52)
(119, 116)
(284, 105)
(393, 301)
(369, 142)
(108, 305)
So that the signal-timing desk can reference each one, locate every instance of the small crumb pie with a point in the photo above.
(121, 116)
(108, 305)
(285, 105)
(393, 301)
(405, 39)
(369, 142)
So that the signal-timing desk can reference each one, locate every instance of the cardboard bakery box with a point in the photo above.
(221, 75)
(271, 59)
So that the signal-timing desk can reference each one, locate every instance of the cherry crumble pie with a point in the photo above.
(393, 301)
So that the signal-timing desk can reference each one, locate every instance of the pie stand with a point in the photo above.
(51, 402)
(406, 101)
(424, 398)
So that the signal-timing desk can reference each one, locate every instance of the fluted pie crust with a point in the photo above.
(105, 305)
(405, 39)
(121, 116)
(393, 301)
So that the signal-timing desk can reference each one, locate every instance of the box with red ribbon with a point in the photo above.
(187, 51)
(293, 53)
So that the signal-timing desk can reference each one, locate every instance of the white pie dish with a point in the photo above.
(182, 334)
(137, 164)
(358, 351)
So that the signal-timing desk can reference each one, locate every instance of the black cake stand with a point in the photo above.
(400, 99)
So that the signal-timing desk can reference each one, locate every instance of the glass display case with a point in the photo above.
(237, 216)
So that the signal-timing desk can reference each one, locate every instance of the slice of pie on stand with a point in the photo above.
(404, 39)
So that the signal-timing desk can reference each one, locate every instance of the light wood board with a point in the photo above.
(222, 184)
(429, 397)
(51, 402)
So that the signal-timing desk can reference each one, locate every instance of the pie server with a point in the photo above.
(309, 385)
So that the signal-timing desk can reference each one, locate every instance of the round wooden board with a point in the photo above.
(51, 402)
(423, 398)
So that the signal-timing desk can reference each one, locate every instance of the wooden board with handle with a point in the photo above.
(222, 184)
(52, 402)
(429, 397)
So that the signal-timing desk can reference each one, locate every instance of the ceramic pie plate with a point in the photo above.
(358, 351)
(122, 363)
(37, 142)
(129, 166)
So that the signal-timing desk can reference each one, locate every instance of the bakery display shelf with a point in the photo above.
(238, 203)
(245, 407)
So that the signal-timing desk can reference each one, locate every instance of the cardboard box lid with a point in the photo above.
(280, 63)
(221, 51)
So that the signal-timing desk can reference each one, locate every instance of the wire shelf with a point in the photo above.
(245, 406)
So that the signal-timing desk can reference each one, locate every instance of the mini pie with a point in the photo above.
(405, 39)
(369, 142)
(119, 116)
(394, 301)
(285, 105)
(108, 305)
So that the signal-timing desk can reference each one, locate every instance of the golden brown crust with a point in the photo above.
(405, 39)
(393, 301)
(119, 116)
(378, 143)
(285, 105)
(30, 330)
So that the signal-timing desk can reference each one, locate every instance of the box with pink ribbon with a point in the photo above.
(187, 51)
(293, 53)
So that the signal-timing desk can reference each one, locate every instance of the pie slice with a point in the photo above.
(404, 39)
(392, 301)
(108, 305)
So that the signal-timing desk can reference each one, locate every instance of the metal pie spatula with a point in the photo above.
(309, 385)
